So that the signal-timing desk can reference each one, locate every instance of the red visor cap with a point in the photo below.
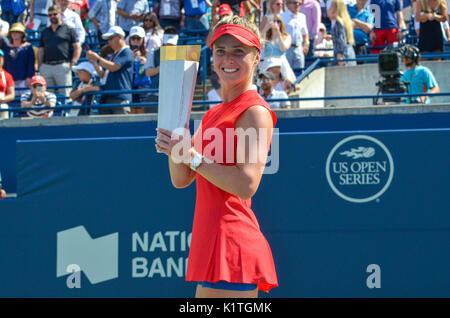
(240, 33)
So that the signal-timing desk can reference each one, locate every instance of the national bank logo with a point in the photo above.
(97, 258)
(359, 168)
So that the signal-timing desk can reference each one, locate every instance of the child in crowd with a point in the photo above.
(87, 82)
(38, 96)
(324, 44)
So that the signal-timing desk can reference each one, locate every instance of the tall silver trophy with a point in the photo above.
(177, 79)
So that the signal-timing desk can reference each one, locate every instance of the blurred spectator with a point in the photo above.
(136, 43)
(38, 13)
(153, 33)
(446, 30)
(195, 17)
(324, 44)
(7, 92)
(87, 82)
(391, 19)
(152, 70)
(80, 7)
(276, 40)
(331, 10)
(407, 10)
(430, 14)
(119, 71)
(103, 15)
(59, 49)
(72, 19)
(420, 78)
(4, 26)
(250, 9)
(239, 7)
(107, 53)
(323, 8)
(38, 97)
(311, 10)
(342, 35)
(140, 80)
(215, 94)
(296, 26)
(273, 7)
(266, 82)
(363, 21)
(11, 10)
(275, 66)
(169, 13)
(235, 6)
(131, 13)
(224, 10)
(19, 56)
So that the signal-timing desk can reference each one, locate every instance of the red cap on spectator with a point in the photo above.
(38, 79)
(225, 9)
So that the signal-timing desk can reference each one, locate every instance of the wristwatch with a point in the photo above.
(196, 161)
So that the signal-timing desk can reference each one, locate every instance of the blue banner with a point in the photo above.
(361, 213)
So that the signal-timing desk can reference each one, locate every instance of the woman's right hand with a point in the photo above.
(176, 146)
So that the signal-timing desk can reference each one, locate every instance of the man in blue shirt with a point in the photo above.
(363, 21)
(195, 17)
(420, 78)
(119, 71)
(389, 22)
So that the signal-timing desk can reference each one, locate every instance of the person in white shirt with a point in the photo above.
(214, 94)
(295, 23)
(72, 19)
(4, 26)
(266, 82)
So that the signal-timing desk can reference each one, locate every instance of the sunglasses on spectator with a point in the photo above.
(113, 37)
(296, 3)
(148, 20)
(277, 21)
(135, 38)
(53, 14)
(279, 4)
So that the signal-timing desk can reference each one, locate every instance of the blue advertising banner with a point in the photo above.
(360, 213)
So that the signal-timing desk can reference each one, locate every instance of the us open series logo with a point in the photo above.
(359, 168)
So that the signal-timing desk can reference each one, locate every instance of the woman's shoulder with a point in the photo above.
(255, 107)
(258, 115)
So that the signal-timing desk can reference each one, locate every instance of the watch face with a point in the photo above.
(196, 161)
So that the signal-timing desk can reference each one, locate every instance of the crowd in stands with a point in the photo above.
(130, 33)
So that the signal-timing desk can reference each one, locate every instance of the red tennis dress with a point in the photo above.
(227, 243)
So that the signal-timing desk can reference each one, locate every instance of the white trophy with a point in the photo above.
(178, 75)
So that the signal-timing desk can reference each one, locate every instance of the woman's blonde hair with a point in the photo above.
(237, 20)
(268, 35)
(344, 18)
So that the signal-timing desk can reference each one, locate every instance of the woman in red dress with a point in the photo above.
(229, 256)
